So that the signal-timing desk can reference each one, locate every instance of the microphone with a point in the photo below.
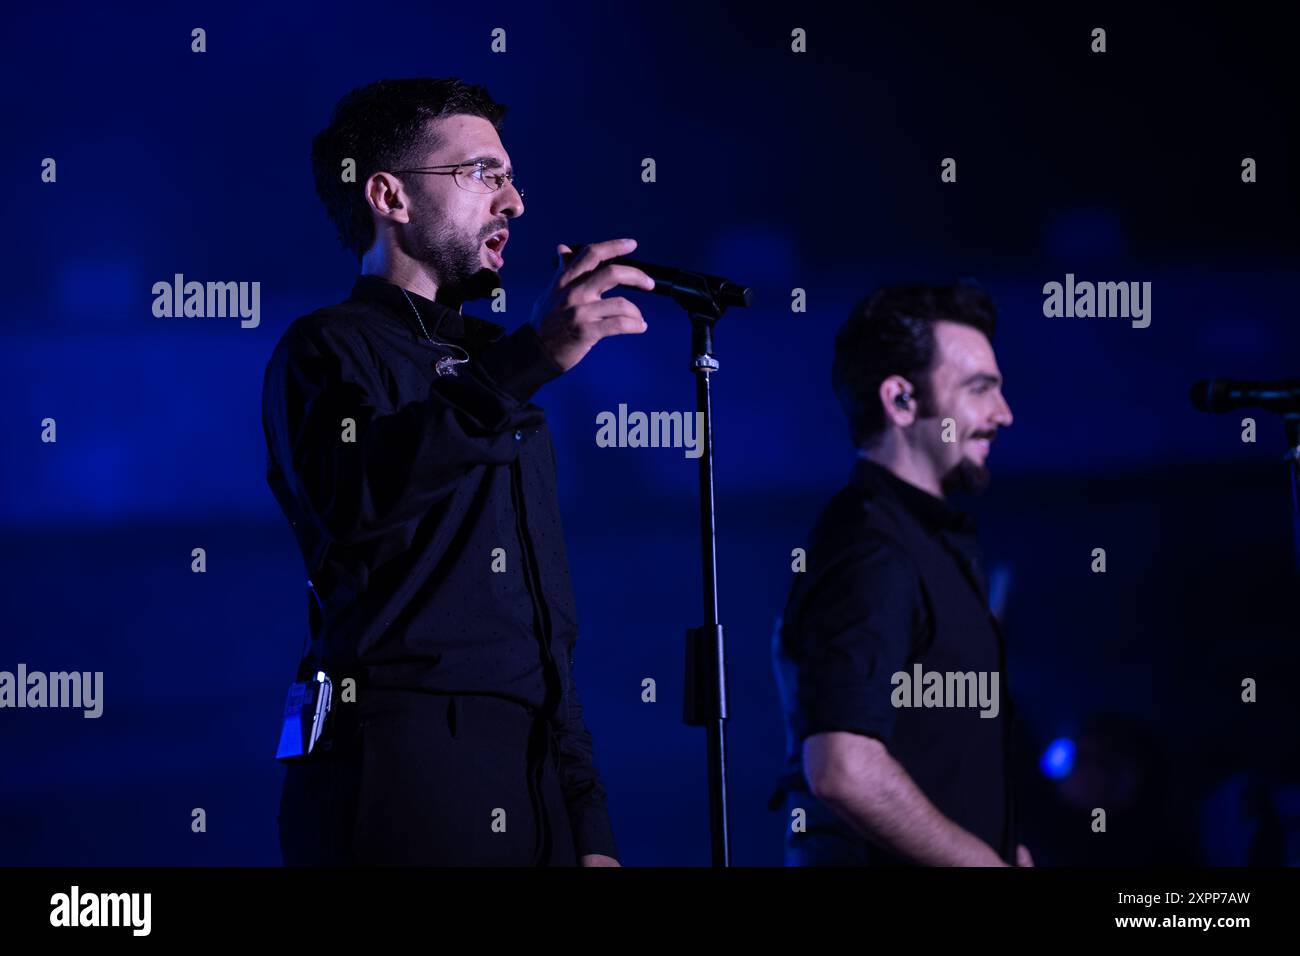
(680, 283)
(1223, 395)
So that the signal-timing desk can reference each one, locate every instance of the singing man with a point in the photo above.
(406, 451)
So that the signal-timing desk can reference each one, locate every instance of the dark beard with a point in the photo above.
(966, 476)
(460, 277)
(455, 263)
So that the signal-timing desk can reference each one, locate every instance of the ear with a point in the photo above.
(386, 195)
(898, 398)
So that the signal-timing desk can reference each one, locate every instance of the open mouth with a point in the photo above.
(494, 244)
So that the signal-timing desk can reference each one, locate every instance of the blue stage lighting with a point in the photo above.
(1058, 758)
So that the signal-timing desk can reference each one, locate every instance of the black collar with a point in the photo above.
(442, 321)
(935, 514)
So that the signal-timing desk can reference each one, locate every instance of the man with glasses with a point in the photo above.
(419, 479)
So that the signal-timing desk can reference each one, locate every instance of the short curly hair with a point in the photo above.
(384, 125)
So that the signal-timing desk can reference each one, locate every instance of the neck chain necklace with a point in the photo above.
(446, 364)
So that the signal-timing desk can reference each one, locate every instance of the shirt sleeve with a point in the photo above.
(584, 794)
(398, 462)
(853, 631)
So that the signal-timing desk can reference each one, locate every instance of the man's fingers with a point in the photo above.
(607, 277)
(597, 309)
(624, 324)
(618, 317)
(592, 256)
(613, 316)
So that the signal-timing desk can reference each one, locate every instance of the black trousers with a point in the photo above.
(427, 779)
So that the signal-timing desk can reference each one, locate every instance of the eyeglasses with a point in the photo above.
(475, 177)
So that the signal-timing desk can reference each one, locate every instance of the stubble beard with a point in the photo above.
(454, 260)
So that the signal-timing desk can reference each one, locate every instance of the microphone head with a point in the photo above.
(733, 294)
(1207, 395)
(1199, 394)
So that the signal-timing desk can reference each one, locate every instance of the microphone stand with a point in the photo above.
(704, 704)
(1291, 420)
(1222, 395)
(705, 698)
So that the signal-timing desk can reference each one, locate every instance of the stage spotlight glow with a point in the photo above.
(1058, 759)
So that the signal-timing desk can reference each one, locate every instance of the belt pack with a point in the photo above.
(307, 710)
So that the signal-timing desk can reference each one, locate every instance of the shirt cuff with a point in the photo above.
(519, 364)
(592, 832)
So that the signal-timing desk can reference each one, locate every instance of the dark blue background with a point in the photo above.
(818, 171)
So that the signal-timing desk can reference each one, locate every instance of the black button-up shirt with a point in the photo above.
(426, 511)
(894, 579)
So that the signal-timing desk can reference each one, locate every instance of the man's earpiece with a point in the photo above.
(902, 399)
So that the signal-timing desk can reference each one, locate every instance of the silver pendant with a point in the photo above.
(447, 365)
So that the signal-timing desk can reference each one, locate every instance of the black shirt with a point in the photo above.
(894, 579)
(429, 523)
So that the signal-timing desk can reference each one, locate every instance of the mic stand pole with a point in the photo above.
(705, 698)
(1292, 422)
